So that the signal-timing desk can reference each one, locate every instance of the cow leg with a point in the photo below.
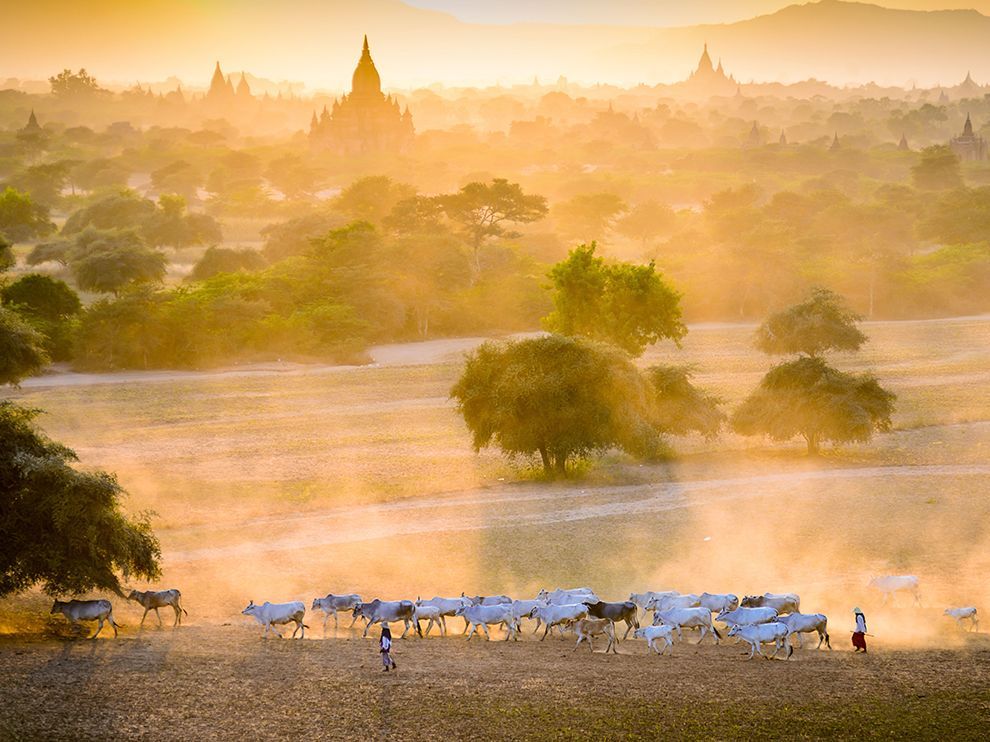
(144, 616)
(471, 633)
(488, 636)
(466, 624)
(546, 631)
(98, 628)
(801, 641)
(178, 615)
(159, 616)
(628, 629)
(367, 626)
(326, 617)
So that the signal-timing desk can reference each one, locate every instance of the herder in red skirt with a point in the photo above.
(859, 635)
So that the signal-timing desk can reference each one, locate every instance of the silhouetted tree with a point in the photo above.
(59, 527)
(67, 84)
(482, 209)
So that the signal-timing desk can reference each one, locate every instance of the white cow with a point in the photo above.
(644, 599)
(960, 614)
(718, 602)
(447, 607)
(674, 602)
(488, 599)
(780, 602)
(333, 603)
(87, 610)
(587, 628)
(805, 623)
(568, 597)
(388, 611)
(747, 616)
(523, 608)
(690, 618)
(652, 634)
(558, 615)
(152, 600)
(896, 583)
(432, 613)
(774, 633)
(489, 615)
(269, 614)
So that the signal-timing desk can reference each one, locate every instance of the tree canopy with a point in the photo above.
(628, 305)
(482, 209)
(41, 296)
(225, 260)
(59, 527)
(22, 351)
(820, 324)
(807, 397)
(563, 397)
(938, 168)
(556, 396)
(21, 218)
(107, 260)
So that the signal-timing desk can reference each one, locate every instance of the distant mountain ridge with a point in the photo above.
(318, 41)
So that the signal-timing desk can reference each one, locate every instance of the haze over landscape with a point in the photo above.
(640, 43)
(647, 338)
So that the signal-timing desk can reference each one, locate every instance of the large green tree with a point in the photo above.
(628, 305)
(556, 396)
(62, 528)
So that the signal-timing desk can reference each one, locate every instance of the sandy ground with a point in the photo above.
(283, 483)
(226, 683)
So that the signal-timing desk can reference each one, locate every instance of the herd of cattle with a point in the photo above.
(757, 620)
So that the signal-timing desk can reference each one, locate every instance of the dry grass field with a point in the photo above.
(285, 482)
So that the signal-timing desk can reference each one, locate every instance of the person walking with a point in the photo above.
(385, 648)
(859, 635)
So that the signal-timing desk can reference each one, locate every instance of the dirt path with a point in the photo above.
(515, 506)
(398, 354)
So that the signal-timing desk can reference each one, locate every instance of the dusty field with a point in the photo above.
(283, 483)
(226, 683)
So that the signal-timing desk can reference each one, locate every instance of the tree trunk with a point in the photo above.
(813, 445)
(562, 464)
(547, 464)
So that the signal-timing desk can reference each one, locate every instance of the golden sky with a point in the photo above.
(317, 42)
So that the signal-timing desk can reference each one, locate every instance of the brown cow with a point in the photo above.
(616, 612)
